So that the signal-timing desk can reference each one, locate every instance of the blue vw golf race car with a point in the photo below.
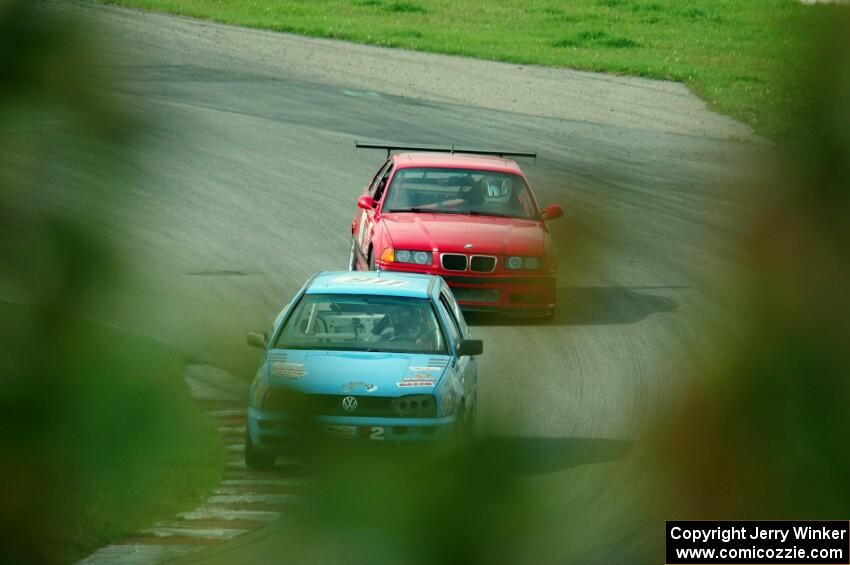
(373, 356)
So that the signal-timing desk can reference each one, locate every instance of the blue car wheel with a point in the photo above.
(466, 424)
(254, 459)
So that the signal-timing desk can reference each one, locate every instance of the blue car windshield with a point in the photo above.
(363, 323)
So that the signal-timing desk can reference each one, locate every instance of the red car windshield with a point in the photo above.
(460, 191)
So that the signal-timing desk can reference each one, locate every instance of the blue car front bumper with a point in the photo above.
(275, 431)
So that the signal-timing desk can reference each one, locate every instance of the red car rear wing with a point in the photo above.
(437, 149)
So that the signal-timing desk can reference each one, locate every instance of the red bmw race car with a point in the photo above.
(468, 216)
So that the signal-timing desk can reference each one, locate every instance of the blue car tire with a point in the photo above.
(256, 460)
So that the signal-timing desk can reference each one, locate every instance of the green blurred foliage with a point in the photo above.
(92, 419)
(765, 432)
(472, 500)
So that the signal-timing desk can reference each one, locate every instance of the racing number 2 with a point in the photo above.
(376, 432)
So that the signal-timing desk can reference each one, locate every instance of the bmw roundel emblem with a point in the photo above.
(349, 404)
(467, 246)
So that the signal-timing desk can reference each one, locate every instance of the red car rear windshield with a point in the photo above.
(460, 191)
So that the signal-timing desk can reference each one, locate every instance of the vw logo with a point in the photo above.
(467, 246)
(349, 404)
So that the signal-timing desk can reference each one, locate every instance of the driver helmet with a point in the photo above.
(494, 187)
(408, 321)
(499, 187)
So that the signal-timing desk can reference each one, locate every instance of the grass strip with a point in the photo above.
(102, 436)
(746, 58)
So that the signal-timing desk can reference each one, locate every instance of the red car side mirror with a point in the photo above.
(366, 202)
(553, 212)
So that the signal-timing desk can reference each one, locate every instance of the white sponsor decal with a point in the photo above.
(350, 432)
(405, 384)
(289, 370)
(368, 387)
(341, 431)
(420, 377)
(354, 279)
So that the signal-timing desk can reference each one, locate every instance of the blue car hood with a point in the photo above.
(356, 373)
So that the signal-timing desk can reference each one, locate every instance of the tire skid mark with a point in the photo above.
(244, 500)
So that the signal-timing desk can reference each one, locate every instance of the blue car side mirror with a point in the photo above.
(257, 339)
(470, 347)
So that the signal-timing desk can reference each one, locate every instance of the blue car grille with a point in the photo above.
(331, 405)
(408, 406)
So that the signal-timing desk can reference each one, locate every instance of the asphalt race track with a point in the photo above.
(248, 182)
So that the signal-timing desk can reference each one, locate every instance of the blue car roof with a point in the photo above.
(380, 283)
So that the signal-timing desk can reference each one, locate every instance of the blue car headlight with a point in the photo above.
(258, 392)
(448, 401)
(415, 406)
